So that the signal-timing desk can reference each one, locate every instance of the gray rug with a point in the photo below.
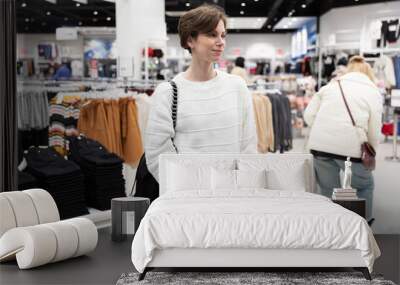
(243, 278)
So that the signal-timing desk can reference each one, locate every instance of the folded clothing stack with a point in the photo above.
(344, 194)
(26, 181)
(63, 179)
(102, 170)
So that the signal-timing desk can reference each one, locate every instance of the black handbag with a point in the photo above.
(146, 185)
(367, 151)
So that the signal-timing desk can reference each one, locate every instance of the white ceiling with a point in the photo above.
(290, 23)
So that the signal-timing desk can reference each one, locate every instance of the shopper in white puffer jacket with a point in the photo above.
(333, 137)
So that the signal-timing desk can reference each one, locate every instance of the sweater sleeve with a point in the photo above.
(375, 121)
(159, 129)
(248, 140)
(313, 107)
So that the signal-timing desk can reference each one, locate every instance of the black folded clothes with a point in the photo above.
(63, 179)
(102, 170)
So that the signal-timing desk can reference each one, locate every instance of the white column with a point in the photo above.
(138, 23)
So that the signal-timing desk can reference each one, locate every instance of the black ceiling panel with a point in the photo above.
(40, 16)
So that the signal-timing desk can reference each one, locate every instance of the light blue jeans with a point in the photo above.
(327, 174)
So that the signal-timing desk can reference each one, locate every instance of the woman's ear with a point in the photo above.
(190, 42)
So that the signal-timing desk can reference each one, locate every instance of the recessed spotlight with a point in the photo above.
(23, 5)
(269, 26)
(65, 19)
(356, 0)
(108, 19)
(241, 12)
(78, 4)
(255, 0)
(95, 13)
(243, 4)
(48, 13)
(80, 23)
(27, 20)
(303, 6)
(187, 4)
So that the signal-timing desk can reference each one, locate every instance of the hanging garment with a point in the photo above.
(131, 139)
(384, 70)
(263, 117)
(63, 120)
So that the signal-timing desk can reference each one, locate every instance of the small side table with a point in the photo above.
(356, 205)
(126, 214)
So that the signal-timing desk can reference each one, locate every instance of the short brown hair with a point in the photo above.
(200, 20)
(358, 64)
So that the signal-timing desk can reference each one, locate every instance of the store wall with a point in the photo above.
(260, 46)
(347, 22)
(27, 46)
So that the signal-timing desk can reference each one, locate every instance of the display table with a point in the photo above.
(126, 214)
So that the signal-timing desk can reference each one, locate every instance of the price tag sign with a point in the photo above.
(395, 98)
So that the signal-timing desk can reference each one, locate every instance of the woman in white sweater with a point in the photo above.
(333, 137)
(215, 112)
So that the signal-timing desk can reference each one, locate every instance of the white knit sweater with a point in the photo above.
(214, 116)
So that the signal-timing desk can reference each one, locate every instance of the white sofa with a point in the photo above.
(31, 231)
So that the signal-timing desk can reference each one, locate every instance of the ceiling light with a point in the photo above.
(241, 12)
(52, 1)
(356, 0)
(26, 19)
(48, 13)
(78, 4)
(23, 5)
(303, 6)
(108, 18)
(269, 26)
(95, 12)
(255, 0)
(245, 23)
(243, 4)
(187, 4)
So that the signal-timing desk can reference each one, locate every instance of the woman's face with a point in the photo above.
(209, 47)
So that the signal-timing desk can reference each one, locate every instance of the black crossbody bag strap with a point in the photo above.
(174, 108)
